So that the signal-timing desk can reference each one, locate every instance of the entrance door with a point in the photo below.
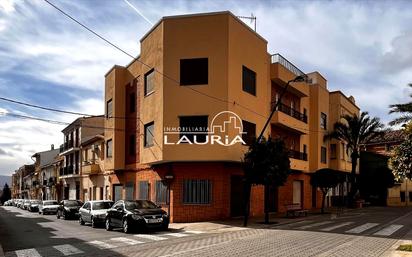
(297, 192)
(117, 192)
(236, 196)
(66, 192)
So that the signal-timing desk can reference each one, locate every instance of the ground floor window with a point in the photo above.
(144, 190)
(197, 191)
(129, 190)
(162, 195)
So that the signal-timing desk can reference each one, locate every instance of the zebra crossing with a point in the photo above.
(348, 227)
(104, 244)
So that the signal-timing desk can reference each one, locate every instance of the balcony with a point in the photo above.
(68, 147)
(298, 155)
(298, 160)
(278, 58)
(68, 170)
(290, 119)
(90, 167)
(282, 71)
(291, 112)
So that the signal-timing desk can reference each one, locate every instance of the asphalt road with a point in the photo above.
(366, 232)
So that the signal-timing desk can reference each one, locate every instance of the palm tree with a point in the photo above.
(404, 109)
(356, 131)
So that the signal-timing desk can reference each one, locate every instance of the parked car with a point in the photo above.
(19, 203)
(48, 206)
(136, 214)
(26, 204)
(69, 209)
(94, 212)
(34, 205)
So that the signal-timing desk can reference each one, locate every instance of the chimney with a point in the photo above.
(52, 146)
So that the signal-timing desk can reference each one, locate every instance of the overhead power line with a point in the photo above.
(147, 65)
(156, 70)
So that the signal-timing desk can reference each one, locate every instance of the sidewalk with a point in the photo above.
(236, 224)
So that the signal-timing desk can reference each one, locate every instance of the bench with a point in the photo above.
(295, 210)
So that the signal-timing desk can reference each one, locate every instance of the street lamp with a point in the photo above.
(299, 78)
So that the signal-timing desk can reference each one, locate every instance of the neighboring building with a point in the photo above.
(46, 173)
(15, 185)
(218, 55)
(24, 173)
(70, 172)
(385, 144)
(401, 193)
(94, 181)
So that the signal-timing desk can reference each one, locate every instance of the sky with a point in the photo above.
(363, 48)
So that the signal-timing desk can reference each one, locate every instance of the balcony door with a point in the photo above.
(297, 192)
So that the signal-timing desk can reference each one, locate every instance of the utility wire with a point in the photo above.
(112, 117)
(25, 117)
(150, 67)
(145, 64)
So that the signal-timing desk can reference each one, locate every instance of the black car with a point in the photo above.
(136, 214)
(69, 209)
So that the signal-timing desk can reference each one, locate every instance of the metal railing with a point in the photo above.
(291, 112)
(278, 58)
(298, 155)
(68, 170)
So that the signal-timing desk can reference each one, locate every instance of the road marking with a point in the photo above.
(101, 245)
(126, 240)
(318, 224)
(337, 226)
(67, 249)
(180, 234)
(28, 253)
(151, 237)
(194, 232)
(361, 228)
(389, 230)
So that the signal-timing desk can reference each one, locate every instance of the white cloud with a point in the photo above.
(7, 6)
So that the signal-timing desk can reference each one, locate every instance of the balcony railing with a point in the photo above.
(277, 58)
(298, 155)
(291, 112)
(68, 170)
(67, 145)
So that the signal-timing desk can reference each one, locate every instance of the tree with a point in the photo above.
(404, 109)
(356, 131)
(401, 161)
(325, 179)
(374, 167)
(266, 163)
(6, 195)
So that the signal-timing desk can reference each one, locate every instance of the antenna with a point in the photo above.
(252, 19)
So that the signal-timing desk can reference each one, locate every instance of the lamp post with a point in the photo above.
(297, 79)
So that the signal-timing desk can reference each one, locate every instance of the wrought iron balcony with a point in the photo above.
(298, 155)
(68, 170)
(291, 112)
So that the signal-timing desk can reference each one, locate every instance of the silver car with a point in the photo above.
(94, 212)
(26, 204)
(49, 206)
(34, 205)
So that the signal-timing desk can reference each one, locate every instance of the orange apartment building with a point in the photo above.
(211, 71)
